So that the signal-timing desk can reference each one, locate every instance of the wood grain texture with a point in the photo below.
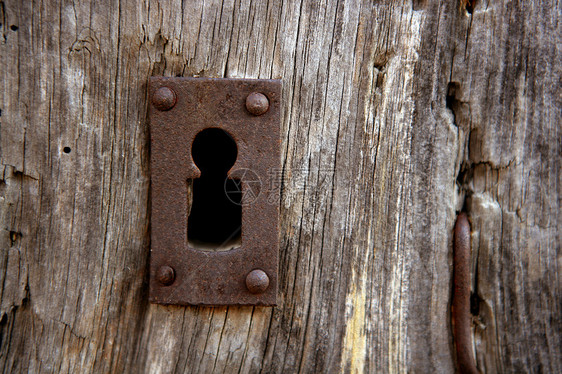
(396, 115)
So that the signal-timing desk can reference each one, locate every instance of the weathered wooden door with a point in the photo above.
(396, 115)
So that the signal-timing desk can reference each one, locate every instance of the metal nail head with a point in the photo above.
(164, 98)
(165, 275)
(257, 281)
(257, 103)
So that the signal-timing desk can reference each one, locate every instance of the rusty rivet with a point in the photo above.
(257, 103)
(164, 98)
(165, 275)
(257, 281)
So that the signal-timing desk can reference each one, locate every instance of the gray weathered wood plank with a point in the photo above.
(396, 116)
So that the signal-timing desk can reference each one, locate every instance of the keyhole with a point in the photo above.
(215, 220)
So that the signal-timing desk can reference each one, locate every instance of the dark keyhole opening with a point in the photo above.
(215, 220)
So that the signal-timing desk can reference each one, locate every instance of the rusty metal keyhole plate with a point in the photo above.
(248, 110)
